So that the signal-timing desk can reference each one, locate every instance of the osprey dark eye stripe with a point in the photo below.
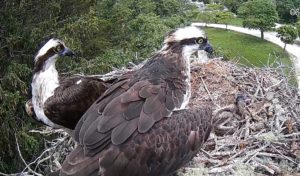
(192, 41)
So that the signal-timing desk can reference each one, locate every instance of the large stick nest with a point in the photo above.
(263, 140)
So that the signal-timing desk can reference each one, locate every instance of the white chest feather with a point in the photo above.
(187, 94)
(43, 86)
(186, 55)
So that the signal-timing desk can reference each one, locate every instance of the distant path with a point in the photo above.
(293, 50)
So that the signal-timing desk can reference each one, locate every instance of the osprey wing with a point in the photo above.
(170, 144)
(126, 107)
(72, 98)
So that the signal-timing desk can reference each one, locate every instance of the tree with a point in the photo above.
(259, 14)
(207, 17)
(233, 5)
(284, 8)
(224, 17)
(287, 34)
(213, 7)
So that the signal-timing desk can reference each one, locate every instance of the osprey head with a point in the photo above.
(49, 52)
(54, 47)
(190, 39)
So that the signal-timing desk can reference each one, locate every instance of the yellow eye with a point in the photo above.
(200, 41)
(58, 48)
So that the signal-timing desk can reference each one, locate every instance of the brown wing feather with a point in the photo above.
(138, 105)
(95, 111)
(120, 133)
(170, 144)
(71, 100)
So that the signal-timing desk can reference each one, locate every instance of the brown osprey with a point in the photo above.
(60, 102)
(129, 129)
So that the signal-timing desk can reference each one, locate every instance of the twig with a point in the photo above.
(221, 169)
(209, 94)
(288, 158)
(27, 166)
(257, 164)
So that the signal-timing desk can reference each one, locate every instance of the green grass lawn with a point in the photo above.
(246, 49)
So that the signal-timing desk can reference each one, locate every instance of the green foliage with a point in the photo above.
(298, 28)
(233, 5)
(211, 7)
(147, 31)
(103, 33)
(284, 7)
(224, 17)
(207, 17)
(214, 13)
(259, 14)
(287, 34)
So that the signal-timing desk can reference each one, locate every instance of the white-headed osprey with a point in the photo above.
(129, 131)
(60, 102)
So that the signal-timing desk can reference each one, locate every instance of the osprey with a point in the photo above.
(60, 102)
(129, 129)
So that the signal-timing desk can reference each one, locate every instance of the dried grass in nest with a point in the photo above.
(263, 140)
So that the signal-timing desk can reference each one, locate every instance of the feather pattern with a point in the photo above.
(134, 102)
(168, 145)
(71, 100)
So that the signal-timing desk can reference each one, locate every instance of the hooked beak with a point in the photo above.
(208, 48)
(67, 52)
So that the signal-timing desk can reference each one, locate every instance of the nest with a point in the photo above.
(262, 140)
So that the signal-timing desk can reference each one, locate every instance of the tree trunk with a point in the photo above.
(284, 47)
(262, 34)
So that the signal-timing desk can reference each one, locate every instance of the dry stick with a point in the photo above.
(295, 117)
(274, 167)
(23, 160)
(274, 85)
(225, 153)
(258, 164)
(237, 154)
(291, 135)
(221, 169)
(253, 154)
(273, 155)
(247, 128)
(288, 158)
(205, 153)
(47, 131)
(17, 174)
(44, 152)
(37, 159)
(209, 94)
(269, 165)
(42, 160)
